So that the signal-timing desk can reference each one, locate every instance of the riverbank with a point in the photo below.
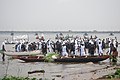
(65, 71)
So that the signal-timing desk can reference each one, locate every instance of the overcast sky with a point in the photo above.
(60, 15)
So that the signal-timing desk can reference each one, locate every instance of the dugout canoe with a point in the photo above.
(25, 53)
(82, 59)
(32, 58)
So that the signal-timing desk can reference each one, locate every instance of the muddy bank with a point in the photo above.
(92, 74)
(79, 71)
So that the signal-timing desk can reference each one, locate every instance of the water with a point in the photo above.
(51, 35)
(52, 70)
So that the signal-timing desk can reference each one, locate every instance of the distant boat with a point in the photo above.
(111, 34)
(59, 36)
(68, 36)
(16, 39)
(10, 42)
(85, 34)
(7, 42)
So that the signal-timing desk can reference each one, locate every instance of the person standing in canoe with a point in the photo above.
(44, 48)
(91, 48)
(76, 47)
(3, 49)
(82, 49)
(100, 50)
(64, 50)
(58, 47)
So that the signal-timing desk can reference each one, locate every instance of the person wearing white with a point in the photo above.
(108, 52)
(115, 43)
(76, 48)
(49, 46)
(3, 45)
(27, 46)
(82, 50)
(19, 48)
(100, 51)
(40, 45)
(64, 51)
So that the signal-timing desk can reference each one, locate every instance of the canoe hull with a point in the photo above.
(32, 58)
(82, 59)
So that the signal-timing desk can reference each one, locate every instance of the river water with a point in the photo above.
(57, 71)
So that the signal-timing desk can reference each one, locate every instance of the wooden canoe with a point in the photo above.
(82, 59)
(25, 53)
(32, 58)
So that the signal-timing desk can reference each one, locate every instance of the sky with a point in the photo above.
(59, 15)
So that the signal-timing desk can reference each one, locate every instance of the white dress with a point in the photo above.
(100, 51)
(76, 49)
(64, 51)
(82, 50)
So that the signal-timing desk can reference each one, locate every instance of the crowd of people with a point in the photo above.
(76, 46)
(71, 46)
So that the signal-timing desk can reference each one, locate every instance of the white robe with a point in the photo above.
(64, 51)
(100, 51)
(82, 50)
